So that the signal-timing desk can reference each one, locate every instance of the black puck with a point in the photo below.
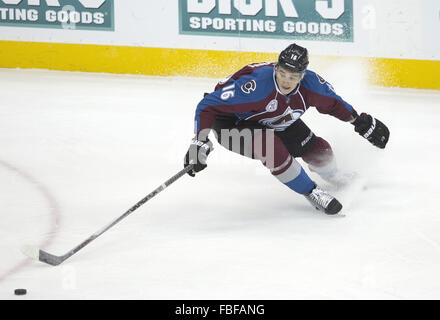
(20, 292)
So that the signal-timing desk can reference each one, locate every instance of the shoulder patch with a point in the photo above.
(321, 79)
(249, 86)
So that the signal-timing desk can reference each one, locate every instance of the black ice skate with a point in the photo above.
(323, 201)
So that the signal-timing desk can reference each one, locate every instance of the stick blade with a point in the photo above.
(40, 255)
(30, 251)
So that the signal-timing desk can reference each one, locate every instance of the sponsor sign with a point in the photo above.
(61, 14)
(326, 20)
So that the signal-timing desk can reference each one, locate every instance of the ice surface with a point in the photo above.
(79, 149)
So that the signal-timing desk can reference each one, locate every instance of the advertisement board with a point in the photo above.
(320, 20)
(59, 14)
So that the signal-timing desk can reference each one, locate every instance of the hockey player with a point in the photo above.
(264, 102)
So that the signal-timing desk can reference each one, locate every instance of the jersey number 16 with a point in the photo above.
(228, 92)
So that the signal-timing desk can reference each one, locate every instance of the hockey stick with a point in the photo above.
(54, 260)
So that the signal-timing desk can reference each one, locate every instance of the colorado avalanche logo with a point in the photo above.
(272, 106)
(249, 86)
(281, 122)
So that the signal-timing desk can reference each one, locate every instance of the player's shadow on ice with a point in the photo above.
(282, 217)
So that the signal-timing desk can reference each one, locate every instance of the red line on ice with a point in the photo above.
(53, 208)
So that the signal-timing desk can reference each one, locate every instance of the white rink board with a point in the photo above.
(393, 29)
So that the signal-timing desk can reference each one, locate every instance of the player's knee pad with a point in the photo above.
(320, 155)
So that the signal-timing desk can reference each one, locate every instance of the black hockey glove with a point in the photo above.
(197, 154)
(372, 129)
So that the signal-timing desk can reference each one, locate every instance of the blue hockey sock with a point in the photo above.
(302, 183)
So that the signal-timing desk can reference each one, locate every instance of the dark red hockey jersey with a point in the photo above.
(252, 94)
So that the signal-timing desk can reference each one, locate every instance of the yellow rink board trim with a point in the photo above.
(422, 74)
(195, 63)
